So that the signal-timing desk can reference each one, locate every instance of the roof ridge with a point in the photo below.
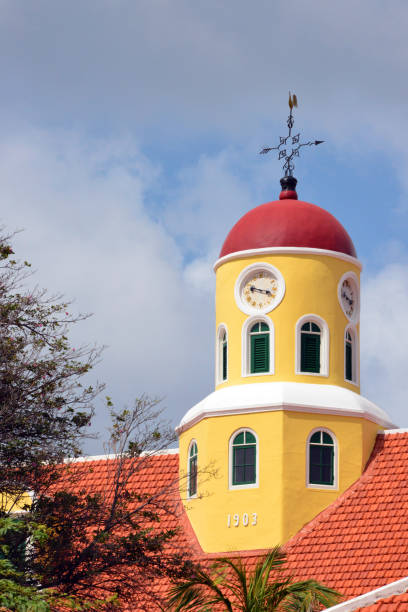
(349, 492)
(111, 456)
(398, 587)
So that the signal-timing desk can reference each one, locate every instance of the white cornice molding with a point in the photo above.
(368, 599)
(111, 456)
(286, 251)
(274, 396)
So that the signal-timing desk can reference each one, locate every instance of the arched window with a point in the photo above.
(312, 346)
(244, 458)
(259, 348)
(321, 459)
(258, 345)
(310, 339)
(192, 469)
(350, 355)
(222, 354)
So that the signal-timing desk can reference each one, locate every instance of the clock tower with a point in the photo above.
(286, 427)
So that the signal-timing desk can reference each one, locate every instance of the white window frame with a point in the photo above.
(335, 485)
(324, 345)
(254, 485)
(246, 346)
(193, 441)
(218, 355)
(355, 355)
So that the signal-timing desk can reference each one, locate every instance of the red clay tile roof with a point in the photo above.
(396, 603)
(159, 473)
(360, 542)
(357, 544)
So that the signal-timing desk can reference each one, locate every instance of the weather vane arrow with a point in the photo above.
(289, 141)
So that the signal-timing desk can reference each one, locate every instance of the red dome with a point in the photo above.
(288, 223)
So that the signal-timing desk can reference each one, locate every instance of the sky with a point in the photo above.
(129, 141)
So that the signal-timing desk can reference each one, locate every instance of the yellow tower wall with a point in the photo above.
(311, 288)
(282, 501)
(229, 518)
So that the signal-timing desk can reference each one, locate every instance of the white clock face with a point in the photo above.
(259, 288)
(349, 296)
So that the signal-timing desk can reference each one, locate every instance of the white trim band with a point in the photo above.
(273, 396)
(368, 599)
(286, 251)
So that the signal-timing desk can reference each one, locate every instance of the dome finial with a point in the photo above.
(288, 184)
(283, 153)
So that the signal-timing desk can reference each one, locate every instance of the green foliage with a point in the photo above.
(92, 549)
(71, 547)
(45, 410)
(98, 534)
(15, 593)
(14, 596)
(229, 586)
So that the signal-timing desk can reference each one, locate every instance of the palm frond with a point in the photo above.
(199, 592)
(232, 586)
(308, 595)
(237, 583)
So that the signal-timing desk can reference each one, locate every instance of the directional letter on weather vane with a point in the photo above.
(289, 166)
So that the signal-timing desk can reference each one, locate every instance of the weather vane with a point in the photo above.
(283, 152)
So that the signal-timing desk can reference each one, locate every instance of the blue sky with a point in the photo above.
(130, 134)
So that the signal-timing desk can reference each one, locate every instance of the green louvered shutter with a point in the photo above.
(259, 353)
(224, 361)
(349, 361)
(310, 353)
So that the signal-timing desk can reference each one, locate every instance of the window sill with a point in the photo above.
(233, 487)
(321, 374)
(323, 487)
(258, 374)
(351, 382)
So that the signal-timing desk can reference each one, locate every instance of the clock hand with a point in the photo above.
(266, 291)
(350, 301)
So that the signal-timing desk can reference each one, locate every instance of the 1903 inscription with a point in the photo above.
(247, 519)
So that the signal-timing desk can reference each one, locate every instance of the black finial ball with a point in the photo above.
(288, 183)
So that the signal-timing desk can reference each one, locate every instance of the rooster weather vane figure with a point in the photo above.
(284, 153)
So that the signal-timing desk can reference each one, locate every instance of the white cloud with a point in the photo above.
(384, 340)
(88, 232)
(199, 275)
(209, 194)
(168, 68)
